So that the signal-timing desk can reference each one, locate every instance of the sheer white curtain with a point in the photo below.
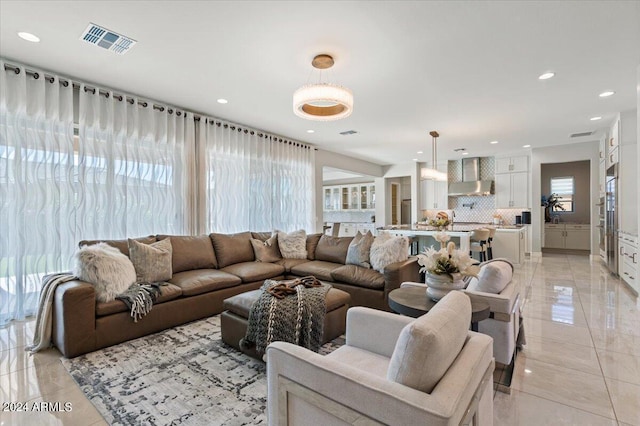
(36, 186)
(253, 181)
(134, 165)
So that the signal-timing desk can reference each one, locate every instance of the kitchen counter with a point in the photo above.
(426, 237)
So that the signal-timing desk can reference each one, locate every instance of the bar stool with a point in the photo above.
(478, 243)
(492, 233)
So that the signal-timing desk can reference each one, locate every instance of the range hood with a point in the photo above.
(471, 184)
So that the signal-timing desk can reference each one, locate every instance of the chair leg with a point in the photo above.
(489, 253)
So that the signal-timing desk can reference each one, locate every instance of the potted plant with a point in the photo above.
(445, 268)
(551, 203)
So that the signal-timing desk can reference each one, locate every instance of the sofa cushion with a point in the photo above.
(167, 292)
(312, 244)
(201, 281)
(191, 252)
(359, 250)
(357, 275)
(333, 249)
(318, 268)
(290, 263)
(292, 245)
(122, 245)
(106, 268)
(493, 277)
(254, 271)
(152, 261)
(387, 249)
(232, 248)
(266, 250)
(427, 347)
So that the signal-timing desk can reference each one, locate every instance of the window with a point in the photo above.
(563, 187)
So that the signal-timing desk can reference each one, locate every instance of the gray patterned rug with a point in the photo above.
(181, 376)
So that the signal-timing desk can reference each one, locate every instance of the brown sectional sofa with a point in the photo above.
(206, 271)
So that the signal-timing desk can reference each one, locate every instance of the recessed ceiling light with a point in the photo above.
(419, 152)
(415, 159)
(546, 76)
(526, 146)
(606, 94)
(595, 118)
(29, 37)
(465, 153)
(223, 101)
(493, 142)
(311, 131)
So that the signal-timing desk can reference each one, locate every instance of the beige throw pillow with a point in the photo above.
(153, 261)
(266, 251)
(292, 245)
(428, 346)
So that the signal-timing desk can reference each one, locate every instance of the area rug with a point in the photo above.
(181, 376)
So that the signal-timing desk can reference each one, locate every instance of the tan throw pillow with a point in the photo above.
(333, 249)
(387, 249)
(427, 347)
(292, 245)
(153, 261)
(266, 251)
(359, 250)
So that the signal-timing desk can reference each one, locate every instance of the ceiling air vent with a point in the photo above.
(348, 132)
(579, 135)
(107, 39)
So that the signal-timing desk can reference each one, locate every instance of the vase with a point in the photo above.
(439, 285)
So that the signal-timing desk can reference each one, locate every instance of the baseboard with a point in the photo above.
(535, 254)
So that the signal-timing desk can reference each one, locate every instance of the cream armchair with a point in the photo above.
(495, 286)
(393, 370)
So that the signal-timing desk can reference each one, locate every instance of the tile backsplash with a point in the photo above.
(348, 216)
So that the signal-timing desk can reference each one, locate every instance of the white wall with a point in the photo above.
(559, 154)
(383, 191)
(342, 162)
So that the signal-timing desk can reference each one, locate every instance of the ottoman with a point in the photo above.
(235, 318)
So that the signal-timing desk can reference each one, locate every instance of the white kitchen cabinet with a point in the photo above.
(602, 178)
(509, 244)
(567, 236)
(350, 197)
(628, 260)
(512, 164)
(511, 190)
(433, 195)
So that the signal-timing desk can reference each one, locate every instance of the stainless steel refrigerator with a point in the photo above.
(611, 219)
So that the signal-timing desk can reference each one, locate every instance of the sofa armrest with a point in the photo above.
(74, 318)
(332, 388)
(504, 304)
(374, 330)
(397, 273)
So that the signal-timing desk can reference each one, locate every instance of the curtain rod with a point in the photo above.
(65, 82)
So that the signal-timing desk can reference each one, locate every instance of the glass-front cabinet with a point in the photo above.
(350, 197)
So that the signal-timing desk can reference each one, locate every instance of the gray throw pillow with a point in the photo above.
(153, 261)
(359, 250)
(266, 251)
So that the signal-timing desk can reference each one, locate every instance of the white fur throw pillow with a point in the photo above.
(292, 245)
(110, 271)
(387, 249)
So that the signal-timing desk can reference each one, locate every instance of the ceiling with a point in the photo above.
(466, 69)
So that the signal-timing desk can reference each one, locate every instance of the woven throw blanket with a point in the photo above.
(140, 297)
(297, 318)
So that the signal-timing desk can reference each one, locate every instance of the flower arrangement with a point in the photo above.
(439, 222)
(447, 260)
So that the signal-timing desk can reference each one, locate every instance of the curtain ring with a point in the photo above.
(36, 75)
(65, 83)
(144, 104)
(178, 113)
(106, 95)
(120, 98)
(170, 111)
(17, 70)
(161, 109)
(52, 80)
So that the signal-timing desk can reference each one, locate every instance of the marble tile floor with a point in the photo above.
(581, 364)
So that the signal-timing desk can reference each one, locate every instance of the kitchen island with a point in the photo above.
(425, 238)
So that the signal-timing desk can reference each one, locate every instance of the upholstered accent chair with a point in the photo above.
(392, 370)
